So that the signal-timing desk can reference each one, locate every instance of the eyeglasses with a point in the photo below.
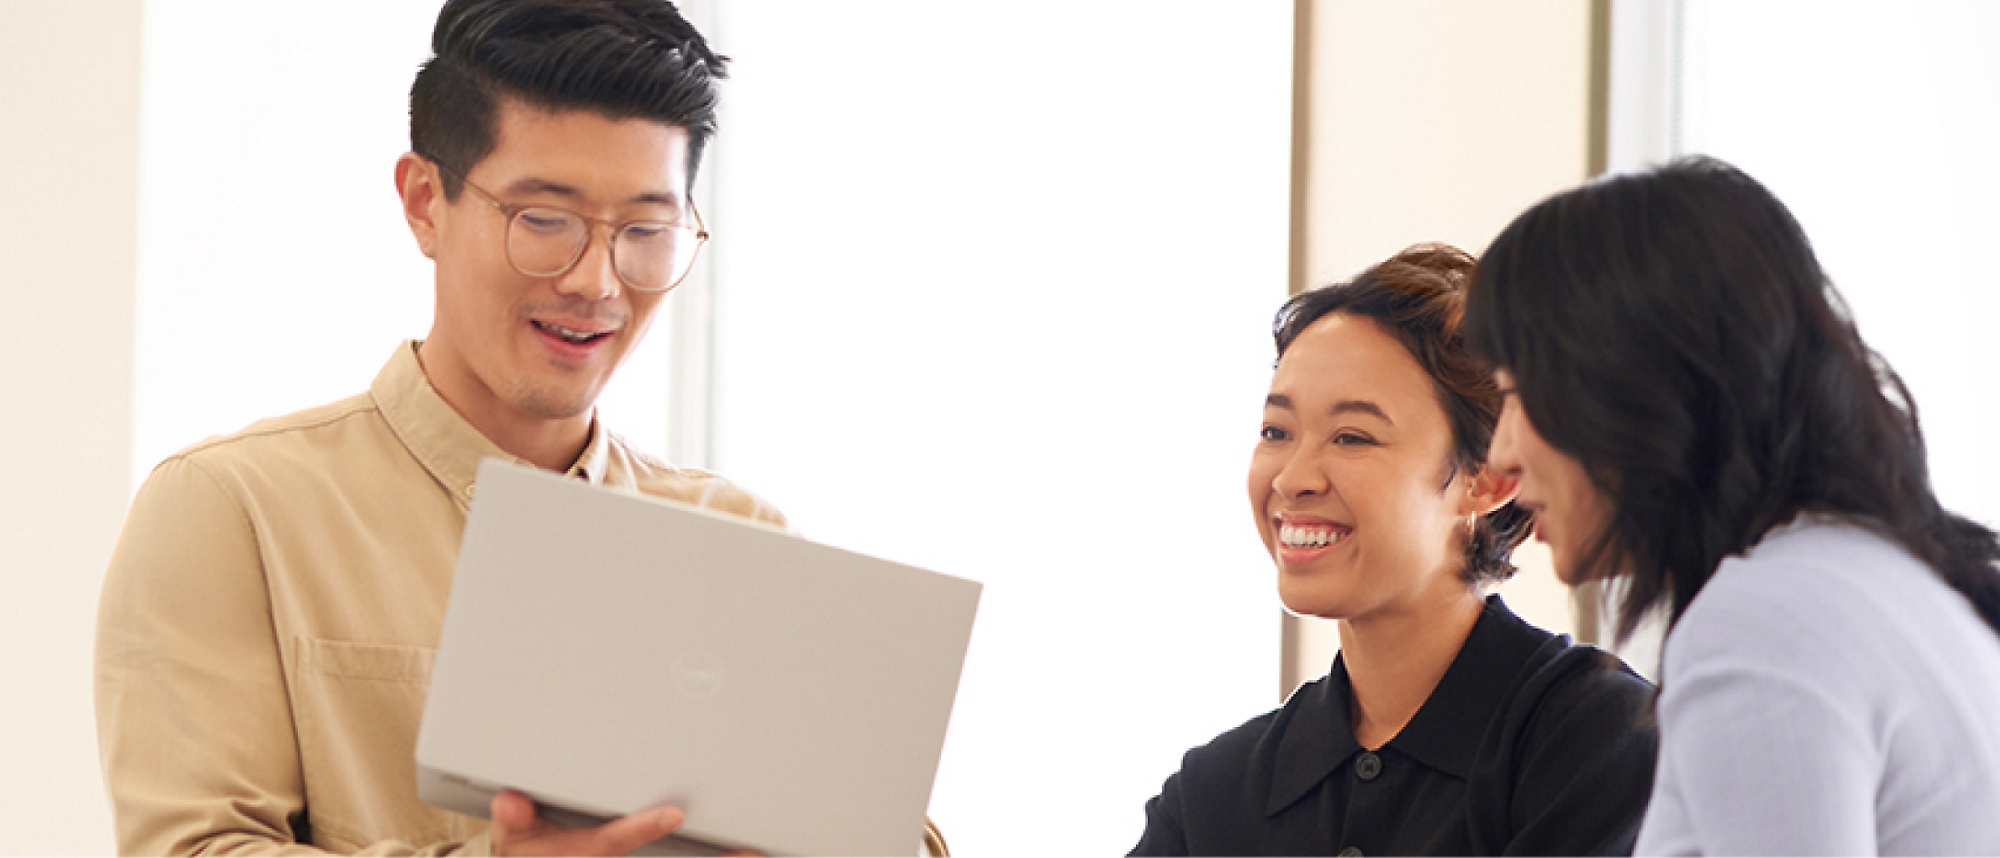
(545, 241)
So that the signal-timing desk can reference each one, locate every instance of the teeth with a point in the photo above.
(1294, 536)
(578, 337)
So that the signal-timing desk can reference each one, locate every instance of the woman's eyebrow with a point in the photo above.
(1360, 406)
(1345, 406)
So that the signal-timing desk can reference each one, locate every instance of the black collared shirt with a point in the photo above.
(1529, 745)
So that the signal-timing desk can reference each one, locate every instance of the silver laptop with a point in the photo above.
(605, 653)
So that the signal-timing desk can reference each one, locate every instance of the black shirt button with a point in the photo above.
(1350, 852)
(1367, 767)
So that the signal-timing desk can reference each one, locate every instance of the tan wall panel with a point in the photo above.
(1439, 119)
(69, 95)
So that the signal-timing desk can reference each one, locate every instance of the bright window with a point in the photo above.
(1878, 124)
(994, 293)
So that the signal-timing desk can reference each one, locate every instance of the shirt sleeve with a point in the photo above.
(194, 724)
(720, 494)
(1759, 756)
(1164, 834)
(1585, 765)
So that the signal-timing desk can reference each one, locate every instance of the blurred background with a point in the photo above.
(990, 292)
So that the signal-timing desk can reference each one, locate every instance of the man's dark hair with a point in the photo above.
(625, 59)
(1418, 297)
(1674, 333)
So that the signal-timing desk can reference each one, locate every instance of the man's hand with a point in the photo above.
(519, 830)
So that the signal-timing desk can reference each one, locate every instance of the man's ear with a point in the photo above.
(1488, 490)
(418, 184)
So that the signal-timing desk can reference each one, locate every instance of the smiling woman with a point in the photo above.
(1447, 725)
(1354, 471)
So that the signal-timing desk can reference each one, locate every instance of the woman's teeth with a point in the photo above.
(1294, 536)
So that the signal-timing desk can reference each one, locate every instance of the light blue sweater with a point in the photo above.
(1827, 693)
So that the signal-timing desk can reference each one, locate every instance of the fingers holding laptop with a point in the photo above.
(518, 829)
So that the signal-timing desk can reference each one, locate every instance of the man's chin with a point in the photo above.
(556, 404)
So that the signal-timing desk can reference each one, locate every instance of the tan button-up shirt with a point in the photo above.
(268, 623)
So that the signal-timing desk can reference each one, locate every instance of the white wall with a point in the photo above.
(69, 93)
(996, 289)
(275, 269)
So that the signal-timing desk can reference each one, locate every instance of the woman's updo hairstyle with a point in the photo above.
(1418, 297)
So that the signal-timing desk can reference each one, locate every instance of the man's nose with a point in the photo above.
(595, 274)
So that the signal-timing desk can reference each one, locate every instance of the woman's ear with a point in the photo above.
(1488, 490)
(417, 184)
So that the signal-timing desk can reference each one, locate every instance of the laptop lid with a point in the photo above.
(605, 652)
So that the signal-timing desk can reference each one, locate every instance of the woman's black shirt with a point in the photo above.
(1529, 745)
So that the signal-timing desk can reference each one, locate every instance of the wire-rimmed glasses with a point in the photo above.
(546, 241)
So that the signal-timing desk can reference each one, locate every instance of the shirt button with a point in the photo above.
(1350, 852)
(1368, 766)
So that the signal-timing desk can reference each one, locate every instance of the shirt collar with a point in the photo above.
(596, 457)
(1444, 734)
(1317, 739)
(442, 441)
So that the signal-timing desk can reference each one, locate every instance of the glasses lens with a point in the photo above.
(654, 256)
(543, 242)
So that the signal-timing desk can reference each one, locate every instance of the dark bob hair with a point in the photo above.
(1418, 297)
(1673, 332)
(626, 59)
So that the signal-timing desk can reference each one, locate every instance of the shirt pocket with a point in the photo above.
(358, 707)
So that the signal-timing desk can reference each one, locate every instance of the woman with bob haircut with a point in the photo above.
(1690, 408)
(1447, 725)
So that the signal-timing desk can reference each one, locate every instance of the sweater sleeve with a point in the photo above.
(1759, 753)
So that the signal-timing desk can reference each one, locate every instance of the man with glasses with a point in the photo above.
(268, 620)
